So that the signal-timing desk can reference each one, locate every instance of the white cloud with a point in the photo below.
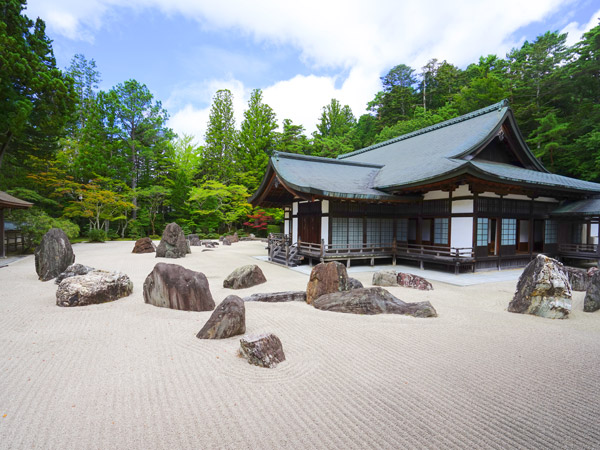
(576, 30)
(358, 38)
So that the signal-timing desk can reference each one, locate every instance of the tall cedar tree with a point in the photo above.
(36, 98)
(256, 142)
(220, 139)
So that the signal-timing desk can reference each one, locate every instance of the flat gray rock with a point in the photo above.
(370, 301)
(277, 297)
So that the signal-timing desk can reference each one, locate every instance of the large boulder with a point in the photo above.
(53, 255)
(369, 301)
(278, 297)
(229, 319)
(73, 270)
(244, 277)
(385, 278)
(413, 281)
(326, 278)
(97, 286)
(194, 240)
(578, 278)
(591, 301)
(173, 286)
(264, 350)
(173, 243)
(543, 290)
(144, 245)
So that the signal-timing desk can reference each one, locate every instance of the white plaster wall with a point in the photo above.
(294, 208)
(286, 226)
(489, 195)
(435, 195)
(462, 206)
(516, 197)
(461, 234)
(325, 206)
(462, 191)
(325, 229)
(594, 229)
(294, 230)
(546, 199)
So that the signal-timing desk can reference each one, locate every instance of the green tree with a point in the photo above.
(218, 207)
(398, 98)
(220, 139)
(293, 139)
(257, 140)
(36, 98)
(86, 77)
(332, 135)
(137, 123)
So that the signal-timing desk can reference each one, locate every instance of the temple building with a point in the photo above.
(466, 193)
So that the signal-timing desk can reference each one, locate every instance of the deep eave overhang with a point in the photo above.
(9, 202)
(468, 168)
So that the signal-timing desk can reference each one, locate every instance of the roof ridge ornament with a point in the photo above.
(480, 112)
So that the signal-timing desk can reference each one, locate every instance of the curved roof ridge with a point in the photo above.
(488, 109)
(322, 159)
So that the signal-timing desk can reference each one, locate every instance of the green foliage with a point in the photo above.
(96, 235)
(293, 139)
(256, 142)
(35, 222)
(216, 206)
(221, 139)
(36, 98)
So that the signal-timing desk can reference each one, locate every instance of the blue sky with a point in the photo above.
(300, 54)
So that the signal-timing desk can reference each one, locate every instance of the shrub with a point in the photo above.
(155, 237)
(273, 229)
(34, 223)
(96, 235)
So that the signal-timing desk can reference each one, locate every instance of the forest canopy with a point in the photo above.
(107, 160)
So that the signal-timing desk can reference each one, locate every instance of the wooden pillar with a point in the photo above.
(2, 249)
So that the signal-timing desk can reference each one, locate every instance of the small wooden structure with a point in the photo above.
(8, 202)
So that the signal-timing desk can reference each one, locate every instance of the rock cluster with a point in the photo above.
(144, 245)
(278, 297)
(210, 244)
(53, 255)
(173, 286)
(97, 286)
(194, 240)
(326, 278)
(73, 270)
(391, 278)
(173, 243)
(229, 319)
(372, 301)
(244, 277)
(543, 290)
(264, 350)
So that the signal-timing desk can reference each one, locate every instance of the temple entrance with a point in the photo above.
(309, 228)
